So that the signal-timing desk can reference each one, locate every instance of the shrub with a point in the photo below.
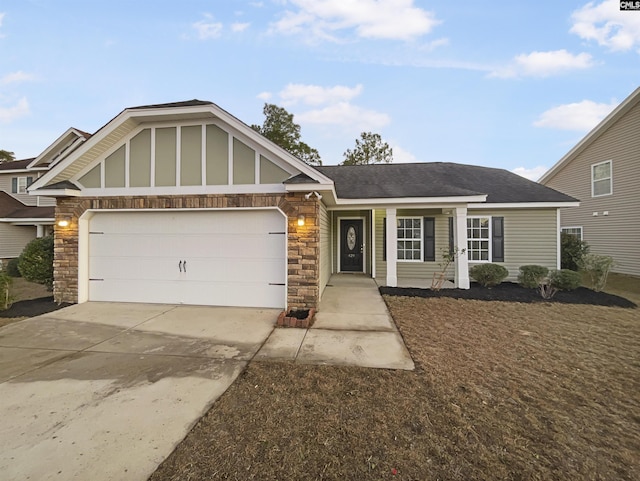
(572, 251)
(597, 268)
(531, 276)
(565, 279)
(12, 268)
(488, 275)
(5, 284)
(36, 261)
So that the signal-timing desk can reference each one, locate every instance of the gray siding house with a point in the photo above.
(603, 172)
(184, 203)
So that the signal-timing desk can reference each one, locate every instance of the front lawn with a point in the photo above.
(502, 390)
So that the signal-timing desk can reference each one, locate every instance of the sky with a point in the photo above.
(507, 84)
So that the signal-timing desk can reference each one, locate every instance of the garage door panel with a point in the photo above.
(234, 258)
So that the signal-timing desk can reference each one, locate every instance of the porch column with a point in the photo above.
(460, 239)
(39, 230)
(392, 251)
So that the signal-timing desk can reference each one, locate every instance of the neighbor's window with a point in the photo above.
(19, 185)
(573, 231)
(410, 238)
(479, 239)
(601, 179)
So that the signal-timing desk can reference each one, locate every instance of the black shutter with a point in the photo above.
(29, 181)
(451, 241)
(497, 241)
(384, 239)
(429, 236)
(14, 185)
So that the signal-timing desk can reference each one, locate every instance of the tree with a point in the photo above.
(370, 149)
(36, 261)
(6, 156)
(280, 129)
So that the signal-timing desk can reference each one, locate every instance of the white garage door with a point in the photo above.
(215, 258)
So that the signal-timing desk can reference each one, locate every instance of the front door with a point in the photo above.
(351, 245)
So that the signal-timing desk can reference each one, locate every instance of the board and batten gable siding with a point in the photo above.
(186, 155)
(14, 239)
(530, 238)
(325, 247)
(617, 233)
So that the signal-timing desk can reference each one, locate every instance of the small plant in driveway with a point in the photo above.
(36, 261)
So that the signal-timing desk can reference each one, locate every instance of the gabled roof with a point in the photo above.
(630, 102)
(130, 118)
(61, 147)
(12, 208)
(437, 179)
(16, 164)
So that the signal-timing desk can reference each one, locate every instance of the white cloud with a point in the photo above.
(346, 115)
(544, 64)
(16, 77)
(579, 116)
(317, 95)
(605, 23)
(208, 28)
(382, 19)
(1, 18)
(402, 156)
(532, 174)
(265, 96)
(9, 114)
(239, 27)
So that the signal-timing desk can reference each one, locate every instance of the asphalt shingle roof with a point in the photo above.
(436, 179)
(15, 164)
(12, 208)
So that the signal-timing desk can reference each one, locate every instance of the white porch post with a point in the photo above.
(392, 251)
(460, 238)
(39, 230)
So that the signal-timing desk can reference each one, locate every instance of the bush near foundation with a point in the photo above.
(5, 284)
(36, 261)
(488, 275)
(12, 268)
(532, 275)
(597, 268)
(572, 251)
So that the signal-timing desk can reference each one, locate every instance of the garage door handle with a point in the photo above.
(184, 265)
(180, 266)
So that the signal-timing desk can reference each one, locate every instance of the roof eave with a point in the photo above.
(524, 205)
(598, 130)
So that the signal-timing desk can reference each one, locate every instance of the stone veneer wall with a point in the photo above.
(303, 242)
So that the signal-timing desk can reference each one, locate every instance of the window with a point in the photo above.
(574, 231)
(601, 179)
(410, 238)
(19, 184)
(479, 239)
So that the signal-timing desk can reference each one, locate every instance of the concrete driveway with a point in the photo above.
(105, 391)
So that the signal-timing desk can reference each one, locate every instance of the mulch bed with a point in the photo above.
(32, 307)
(510, 292)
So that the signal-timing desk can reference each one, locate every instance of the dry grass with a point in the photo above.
(501, 391)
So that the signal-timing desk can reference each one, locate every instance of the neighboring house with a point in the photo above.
(603, 172)
(184, 203)
(24, 217)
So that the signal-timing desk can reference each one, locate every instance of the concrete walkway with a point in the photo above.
(353, 327)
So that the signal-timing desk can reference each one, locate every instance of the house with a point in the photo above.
(184, 203)
(24, 217)
(603, 172)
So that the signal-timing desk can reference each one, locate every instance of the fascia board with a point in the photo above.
(525, 205)
(599, 129)
(56, 192)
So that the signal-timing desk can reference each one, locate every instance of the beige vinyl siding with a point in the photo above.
(270, 173)
(14, 239)
(42, 201)
(191, 155)
(413, 269)
(351, 214)
(325, 247)
(140, 160)
(92, 179)
(5, 185)
(617, 233)
(166, 156)
(530, 237)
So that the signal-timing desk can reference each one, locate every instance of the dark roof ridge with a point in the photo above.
(184, 103)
